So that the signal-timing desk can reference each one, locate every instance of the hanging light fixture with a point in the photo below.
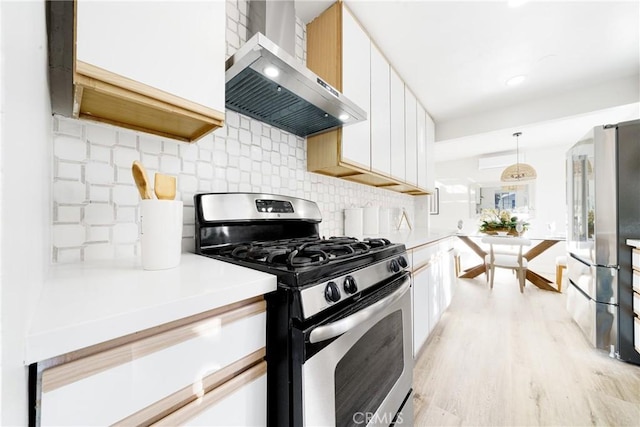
(518, 171)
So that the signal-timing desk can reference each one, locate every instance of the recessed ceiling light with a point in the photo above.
(344, 117)
(271, 71)
(515, 81)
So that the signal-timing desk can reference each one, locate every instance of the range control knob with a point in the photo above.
(349, 285)
(394, 266)
(332, 292)
(403, 262)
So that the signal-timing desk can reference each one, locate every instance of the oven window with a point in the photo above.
(366, 374)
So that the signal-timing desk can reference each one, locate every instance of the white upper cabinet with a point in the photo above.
(155, 67)
(421, 149)
(410, 119)
(380, 117)
(171, 46)
(397, 127)
(431, 147)
(356, 86)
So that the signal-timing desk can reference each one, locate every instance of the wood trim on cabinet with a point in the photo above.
(181, 416)
(108, 97)
(324, 45)
(242, 371)
(75, 370)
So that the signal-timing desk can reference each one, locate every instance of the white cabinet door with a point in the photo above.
(435, 294)
(397, 127)
(431, 146)
(421, 320)
(421, 150)
(242, 406)
(411, 164)
(380, 118)
(141, 373)
(356, 85)
(177, 47)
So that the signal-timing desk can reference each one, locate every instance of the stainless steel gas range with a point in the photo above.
(339, 323)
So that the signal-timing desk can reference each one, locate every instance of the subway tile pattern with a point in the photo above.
(96, 203)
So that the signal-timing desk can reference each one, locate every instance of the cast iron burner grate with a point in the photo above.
(302, 252)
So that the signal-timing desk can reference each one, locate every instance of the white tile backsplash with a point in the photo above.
(95, 201)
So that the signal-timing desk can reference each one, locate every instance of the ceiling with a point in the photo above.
(581, 61)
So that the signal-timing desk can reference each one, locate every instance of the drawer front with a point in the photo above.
(241, 401)
(636, 303)
(635, 258)
(423, 255)
(109, 386)
(636, 281)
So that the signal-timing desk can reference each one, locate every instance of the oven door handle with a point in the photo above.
(332, 330)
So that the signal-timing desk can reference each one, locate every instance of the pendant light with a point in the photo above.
(518, 171)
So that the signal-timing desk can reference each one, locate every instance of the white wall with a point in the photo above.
(457, 178)
(25, 148)
(95, 202)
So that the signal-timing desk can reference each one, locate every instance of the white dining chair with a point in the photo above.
(504, 259)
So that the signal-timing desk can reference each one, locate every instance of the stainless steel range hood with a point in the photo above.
(267, 83)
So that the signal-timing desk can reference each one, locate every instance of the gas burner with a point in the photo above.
(302, 252)
(377, 242)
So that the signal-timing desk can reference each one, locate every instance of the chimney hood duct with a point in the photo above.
(292, 98)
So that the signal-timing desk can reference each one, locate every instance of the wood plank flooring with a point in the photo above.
(502, 358)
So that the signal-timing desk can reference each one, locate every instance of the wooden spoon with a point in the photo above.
(140, 177)
(164, 186)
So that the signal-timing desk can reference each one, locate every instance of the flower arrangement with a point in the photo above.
(494, 220)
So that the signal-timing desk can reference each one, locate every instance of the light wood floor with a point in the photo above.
(501, 358)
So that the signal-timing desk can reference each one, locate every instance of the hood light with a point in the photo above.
(271, 71)
(344, 117)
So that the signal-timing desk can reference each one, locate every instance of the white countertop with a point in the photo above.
(634, 242)
(415, 238)
(89, 303)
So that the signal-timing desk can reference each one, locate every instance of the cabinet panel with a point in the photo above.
(435, 295)
(411, 164)
(430, 136)
(113, 384)
(424, 254)
(239, 402)
(380, 118)
(174, 47)
(356, 85)
(421, 146)
(397, 126)
(421, 318)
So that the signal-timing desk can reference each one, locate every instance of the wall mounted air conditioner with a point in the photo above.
(497, 160)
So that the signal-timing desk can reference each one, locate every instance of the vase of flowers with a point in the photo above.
(493, 221)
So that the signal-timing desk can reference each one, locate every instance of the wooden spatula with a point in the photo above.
(140, 177)
(164, 186)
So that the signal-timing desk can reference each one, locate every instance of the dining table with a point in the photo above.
(542, 243)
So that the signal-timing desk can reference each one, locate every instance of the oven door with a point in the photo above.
(363, 373)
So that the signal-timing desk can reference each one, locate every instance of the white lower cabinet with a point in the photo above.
(154, 376)
(241, 404)
(433, 287)
(420, 309)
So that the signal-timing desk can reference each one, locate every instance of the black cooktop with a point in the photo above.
(304, 261)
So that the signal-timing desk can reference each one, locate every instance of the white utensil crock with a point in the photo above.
(161, 233)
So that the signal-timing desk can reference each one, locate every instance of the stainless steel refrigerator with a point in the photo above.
(603, 197)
